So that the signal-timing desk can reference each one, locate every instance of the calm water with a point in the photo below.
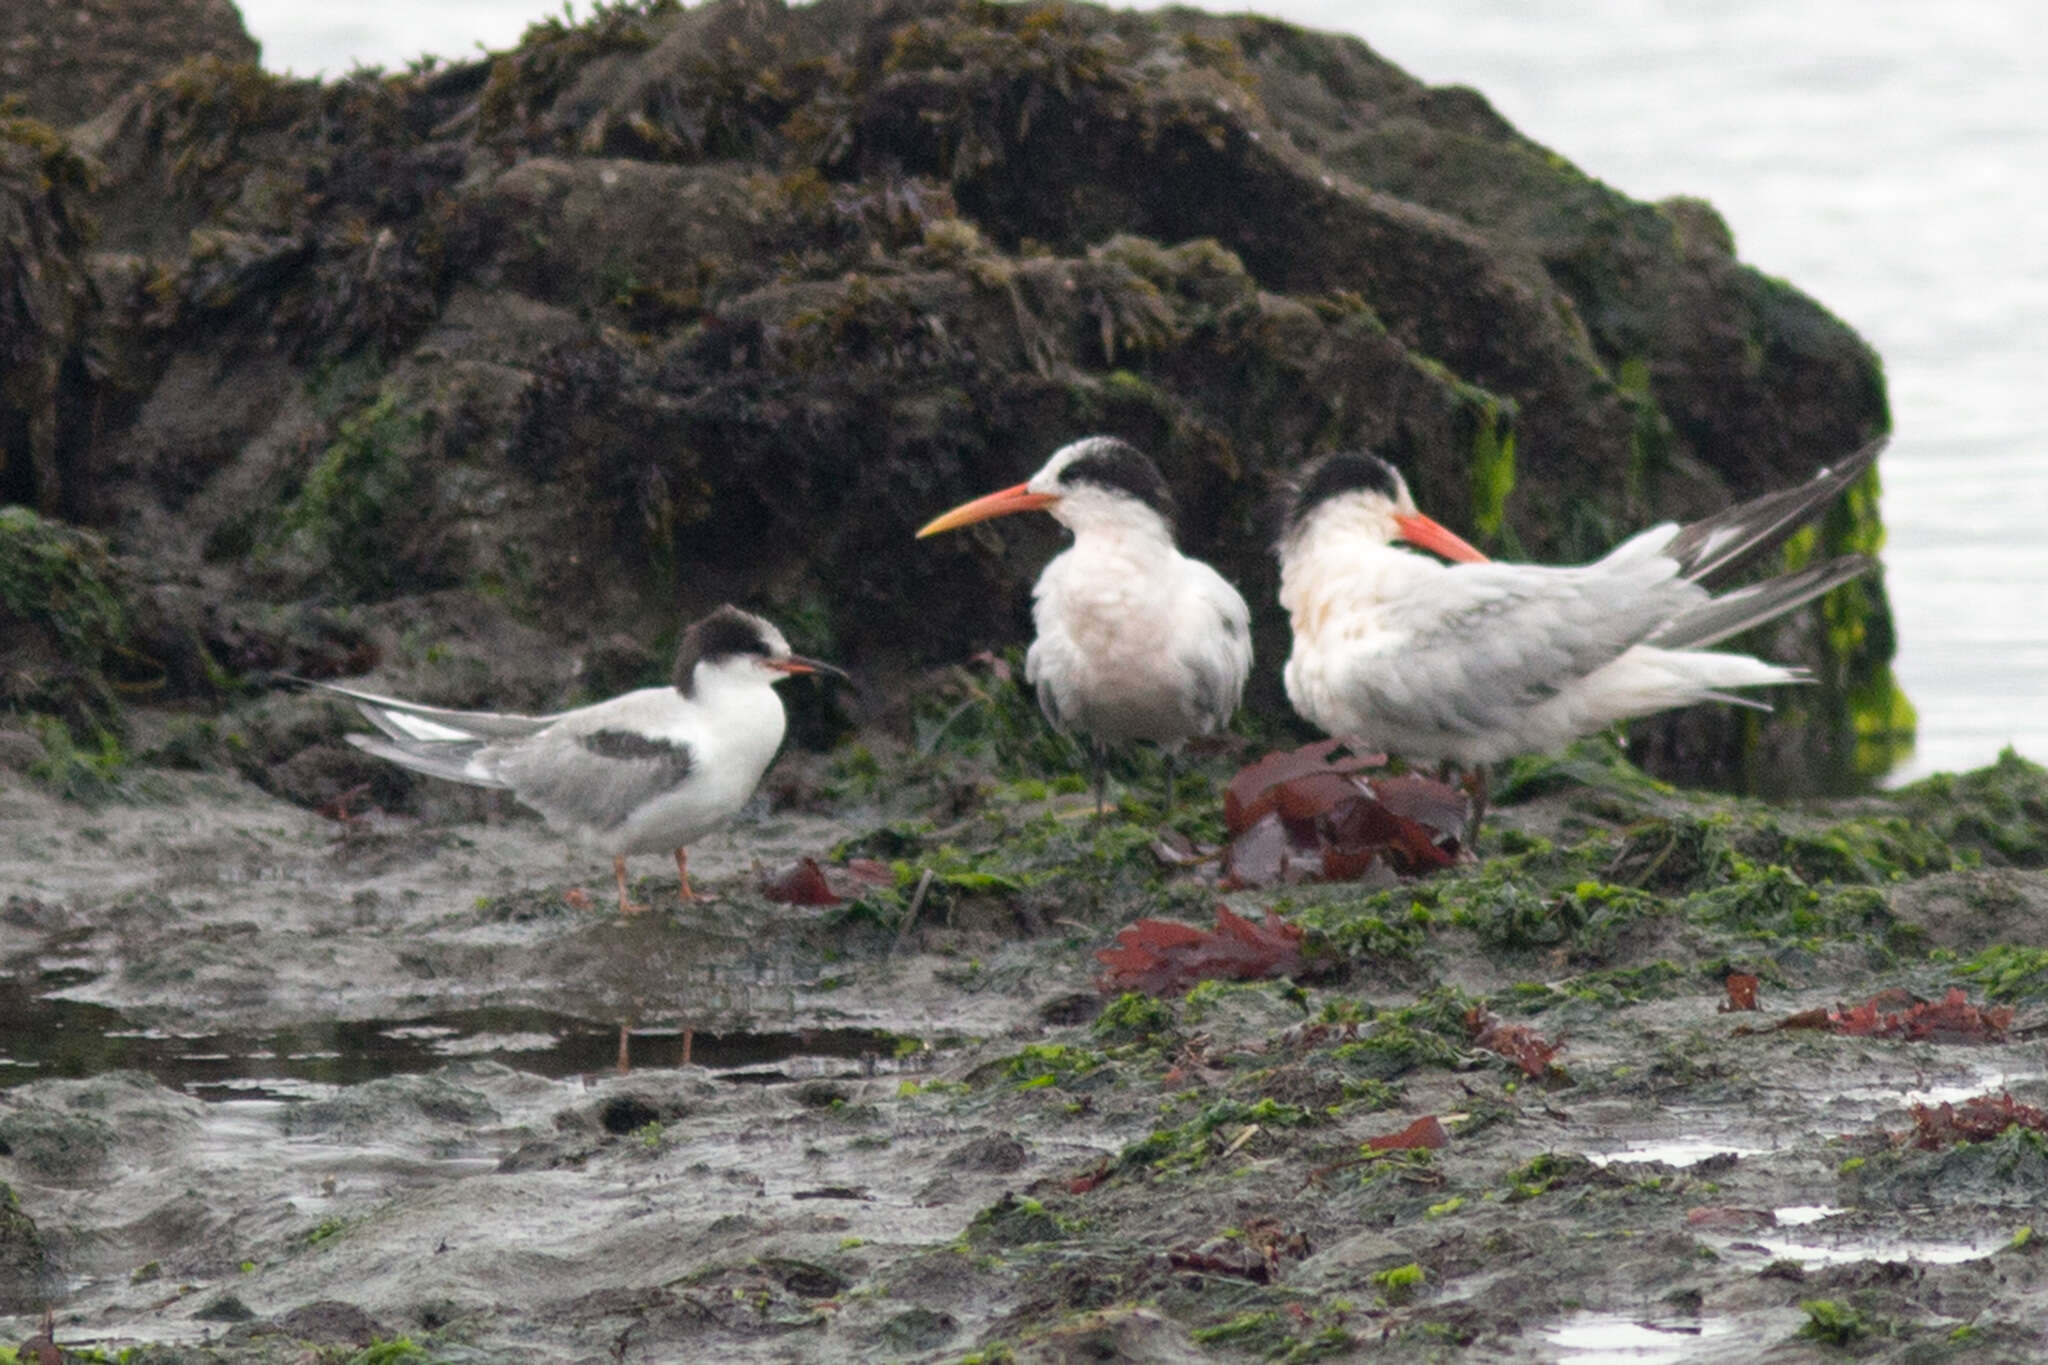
(1885, 156)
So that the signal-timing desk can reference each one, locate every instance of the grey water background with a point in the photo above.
(1887, 156)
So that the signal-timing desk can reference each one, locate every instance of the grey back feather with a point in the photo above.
(599, 778)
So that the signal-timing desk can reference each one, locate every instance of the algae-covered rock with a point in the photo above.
(674, 306)
(80, 636)
(64, 622)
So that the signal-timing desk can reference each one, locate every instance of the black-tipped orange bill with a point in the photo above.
(998, 504)
(1420, 531)
(797, 663)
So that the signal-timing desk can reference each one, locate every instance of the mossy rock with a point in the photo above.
(764, 287)
(64, 624)
(1999, 812)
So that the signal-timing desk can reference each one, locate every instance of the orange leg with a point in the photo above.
(627, 905)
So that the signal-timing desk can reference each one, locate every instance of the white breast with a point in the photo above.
(1338, 606)
(1136, 641)
(733, 739)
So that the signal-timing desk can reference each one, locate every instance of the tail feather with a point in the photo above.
(1737, 611)
(450, 759)
(1714, 547)
(1750, 703)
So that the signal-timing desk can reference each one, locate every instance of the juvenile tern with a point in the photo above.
(645, 772)
(1135, 641)
(1475, 661)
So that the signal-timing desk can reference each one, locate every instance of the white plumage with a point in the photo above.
(1134, 640)
(1476, 661)
(646, 772)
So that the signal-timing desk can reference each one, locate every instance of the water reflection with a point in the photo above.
(42, 1037)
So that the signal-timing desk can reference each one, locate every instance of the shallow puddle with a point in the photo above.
(1947, 1086)
(1798, 1215)
(1598, 1338)
(43, 1037)
(1685, 1150)
(1816, 1246)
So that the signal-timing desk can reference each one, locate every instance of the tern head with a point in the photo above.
(1364, 498)
(734, 646)
(1096, 483)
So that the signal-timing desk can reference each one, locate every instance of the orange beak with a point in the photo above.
(1420, 531)
(797, 663)
(999, 504)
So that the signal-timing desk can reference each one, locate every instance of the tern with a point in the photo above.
(1134, 640)
(1474, 661)
(645, 772)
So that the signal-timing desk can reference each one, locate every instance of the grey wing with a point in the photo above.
(410, 720)
(1487, 641)
(597, 778)
(1221, 659)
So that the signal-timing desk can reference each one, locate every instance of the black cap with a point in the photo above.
(1121, 467)
(1332, 476)
(720, 635)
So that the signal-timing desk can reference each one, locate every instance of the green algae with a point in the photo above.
(65, 612)
(1222, 1127)
(1014, 1222)
(1284, 1337)
(1493, 475)
(1595, 762)
(1135, 1018)
(2011, 972)
(1400, 1284)
(350, 522)
(1041, 1065)
(1832, 1323)
(1860, 638)
(1650, 436)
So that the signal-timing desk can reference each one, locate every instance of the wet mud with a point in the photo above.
(282, 1088)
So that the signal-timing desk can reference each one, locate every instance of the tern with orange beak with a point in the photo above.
(646, 772)
(1473, 661)
(1135, 641)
